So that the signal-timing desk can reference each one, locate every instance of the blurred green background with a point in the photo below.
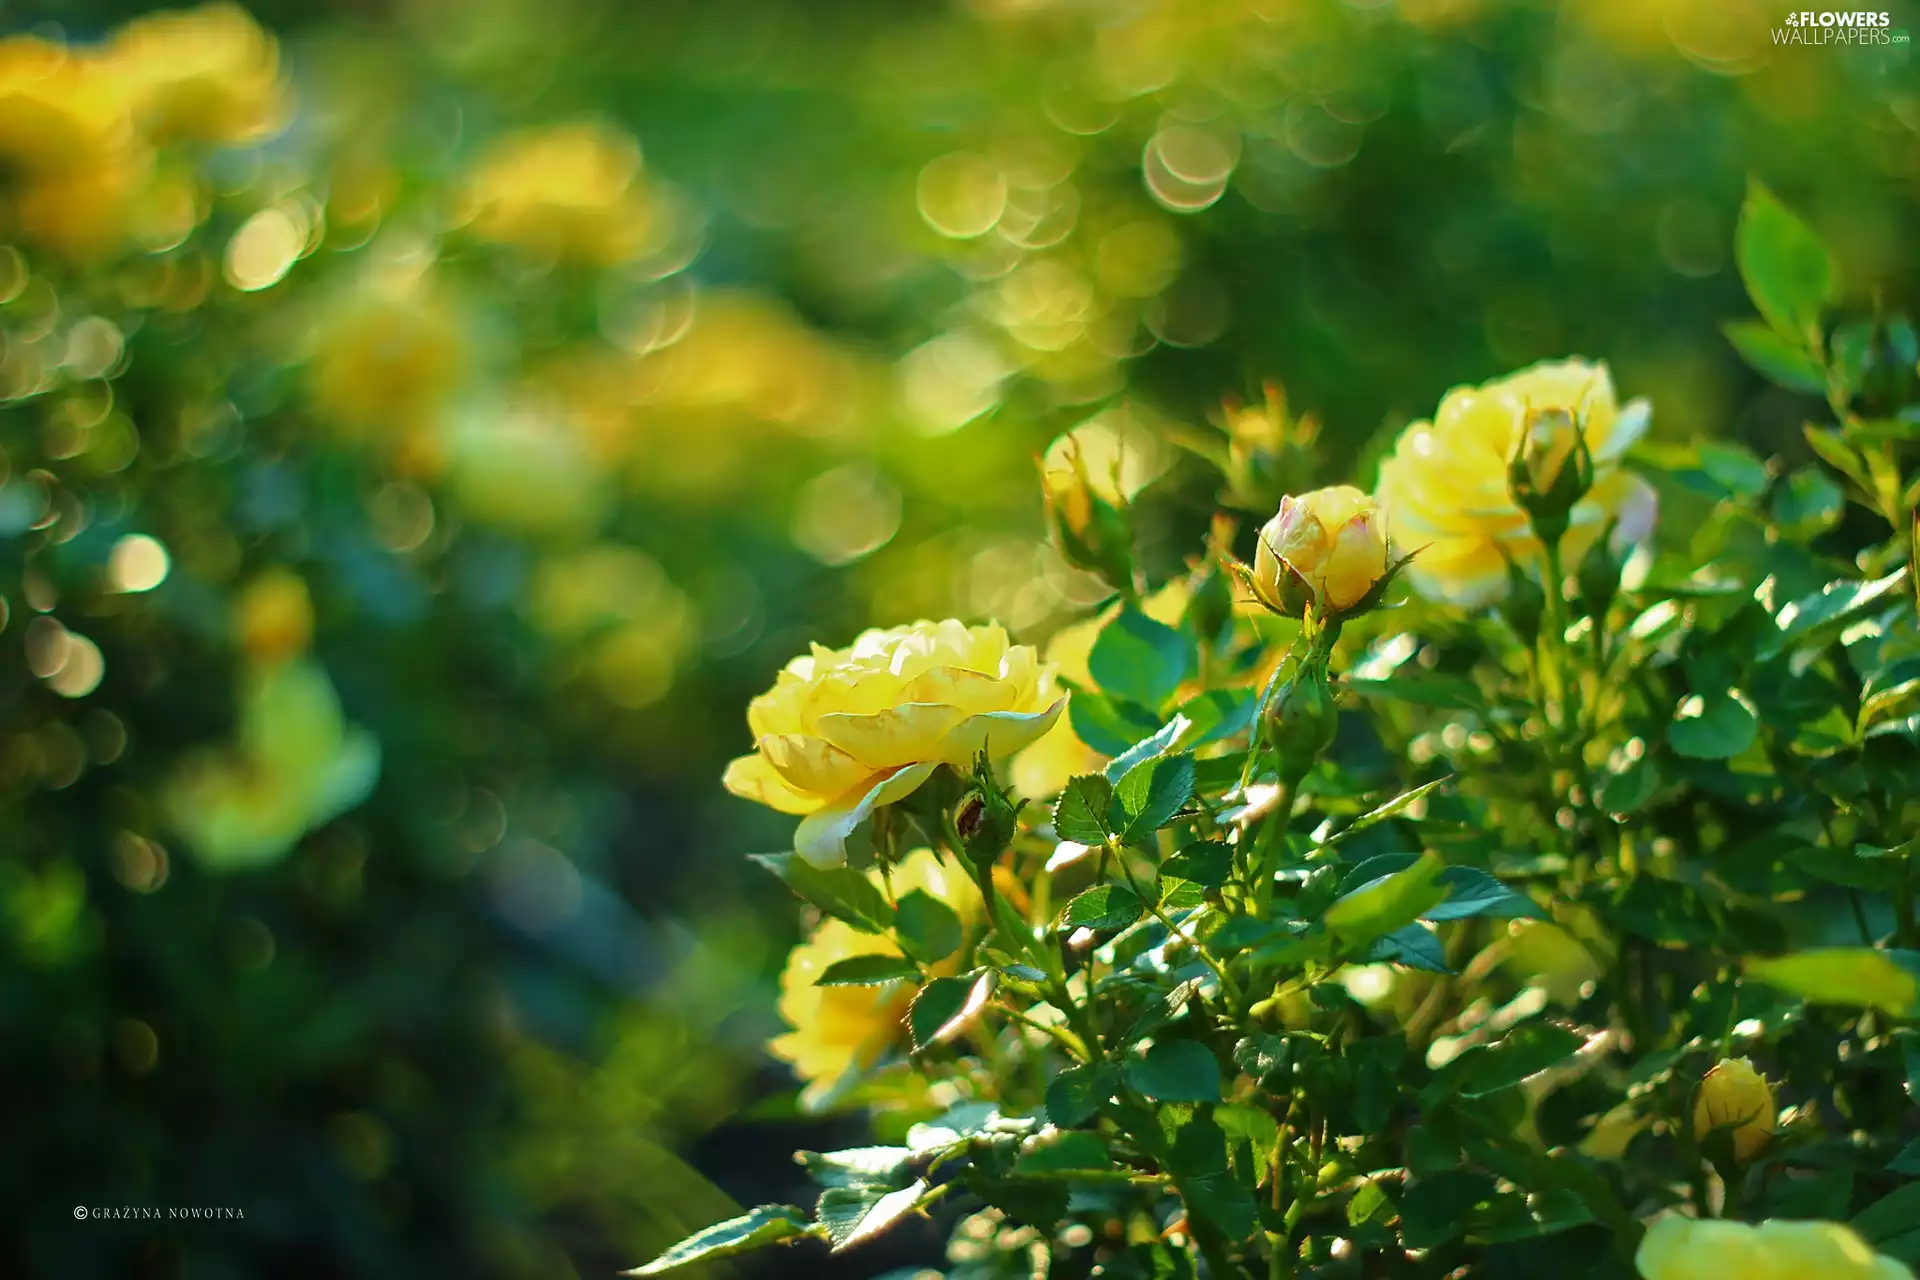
(409, 478)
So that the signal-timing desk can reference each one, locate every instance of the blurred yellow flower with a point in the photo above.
(1445, 486)
(570, 193)
(273, 617)
(1735, 1099)
(386, 358)
(844, 731)
(1326, 549)
(523, 465)
(295, 765)
(69, 156)
(839, 1030)
(1678, 1248)
(209, 74)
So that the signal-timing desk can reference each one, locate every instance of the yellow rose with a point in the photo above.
(71, 163)
(387, 358)
(571, 192)
(1679, 1248)
(837, 1030)
(204, 75)
(844, 731)
(1735, 1098)
(1326, 549)
(1445, 486)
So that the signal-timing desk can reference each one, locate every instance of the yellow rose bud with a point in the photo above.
(844, 731)
(1323, 550)
(1735, 1099)
(1448, 487)
(1677, 1248)
(274, 616)
(1087, 509)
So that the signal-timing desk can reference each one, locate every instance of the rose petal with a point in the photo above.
(812, 765)
(752, 778)
(907, 734)
(1000, 733)
(822, 835)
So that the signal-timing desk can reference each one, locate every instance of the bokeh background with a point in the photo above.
(427, 422)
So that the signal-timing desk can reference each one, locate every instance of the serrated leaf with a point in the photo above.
(1262, 1056)
(1081, 813)
(1436, 1209)
(857, 1166)
(1858, 977)
(1155, 744)
(1205, 862)
(947, 1006)
(867, 971)
(1218, 714)
(1391, 902)
(1110, 726)
(1414, 946)
(841, 892)
(1713, 726)
(1139, 659)
(1486, 1069)
(1835, 605)
(1105, 906)
(855, 1215)
(928, 927)
(766, 1225)
(1175, 1071)
(1472, 892)
(1784, 363)
(1060, 1152)
(1075, 1094)
(1152, 792)
(1787, 270)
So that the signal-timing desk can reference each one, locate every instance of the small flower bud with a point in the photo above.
(1325, 551)
(1735, 1099)
(1088, 515)
(1550, 470)
(1301, 720)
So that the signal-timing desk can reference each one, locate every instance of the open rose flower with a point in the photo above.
(844, 731)
(1678, 1248)
(1446, 485)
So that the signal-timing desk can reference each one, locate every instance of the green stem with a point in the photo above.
(1227, 985)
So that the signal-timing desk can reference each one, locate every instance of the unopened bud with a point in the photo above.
(1550, 470)
(1324, 551)
(1301, 720)
(1736, 1100)
(1088, 515)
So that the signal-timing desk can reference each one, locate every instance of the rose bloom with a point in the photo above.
(387, 357)
(203, 75)
(1445, 485)
(1332, 542)
(1735, 1098)
(838, 1030)
(844, 731)
(571, 193)
(72, 163)
(1678, 1248)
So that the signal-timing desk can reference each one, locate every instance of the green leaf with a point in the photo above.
(768, 1224)
(1139, 659)
(1631, 788)
(841, 892)
(1414, 946)
(1075, 1094)
(1068, 1151)
(1175, 1071)
(1907, 1161)
(1837, 452)
(867, 971)
(855, 1215)
(1081, 813)
(858, 1166)
(1155, 744)
(1486, 1069)
(1110, 726)
(1105, 906)
(1713, 726)
(947, 1006)
(1859, 977)
(1389, 903)
(927, 926)
(1152, 793)
(1205, 862)
(1807, 503)
(1472, 892)
(1391, 809)
(1434, 1210)
(1784, 363)
(1262, 1056)
(1835, 605)
(1787, 270)
(1201, 1173)
(1218, 714)
(1893, 1217)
